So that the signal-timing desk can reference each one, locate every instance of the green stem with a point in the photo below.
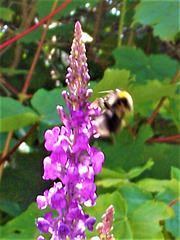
(121, 23)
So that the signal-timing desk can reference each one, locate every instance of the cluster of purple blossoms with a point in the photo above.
(72, 160)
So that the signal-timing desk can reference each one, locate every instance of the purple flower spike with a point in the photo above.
(72, 162)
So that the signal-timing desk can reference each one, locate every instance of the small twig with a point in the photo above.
(129, 128)
(121, 23)
(96, 59)
(27, 81)
(97, 21)
(7, 143)
(23, 139)
(149, 38)
(26, 22)
(153, 115)
(163, 139)
(131, 35)
(9, 86)
(27, 31)
(174, 202)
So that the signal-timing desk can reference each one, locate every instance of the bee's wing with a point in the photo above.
(107, 91)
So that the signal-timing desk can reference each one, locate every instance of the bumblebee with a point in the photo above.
(114, 106)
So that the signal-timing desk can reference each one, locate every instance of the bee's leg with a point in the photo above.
(100, 102)
(112, 138)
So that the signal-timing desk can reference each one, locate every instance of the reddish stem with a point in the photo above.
(163, 139)
(9, 86)
(27, 31)
(152, 117)
(23, 139)
(174, 202)
(26, 84)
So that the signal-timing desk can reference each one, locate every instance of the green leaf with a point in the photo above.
(175, 173)
(163, 16)
(171, 196)
(102, 203)
(112, 178)
(145, 97)
(136, 215)
(127, 152)
(145, 220)
(108, 173)
(6, 14)
(112, 79)
(145, 68)
(11, 208)
(13, 115)
(134, 196)
(45, 103)
(173, 224)
(155, 185)
(135, 172)
(22, 227)
(164, 156)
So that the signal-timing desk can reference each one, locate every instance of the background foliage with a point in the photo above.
(136, 47)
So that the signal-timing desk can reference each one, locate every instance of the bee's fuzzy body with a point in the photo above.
(115, 105)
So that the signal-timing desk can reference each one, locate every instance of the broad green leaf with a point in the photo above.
(10, 207)
(175, 173)
(112, 79)
(163, 16)
(13, 115)
(6, 14)
(111, 182)
(110, 178)
(135, 172)
(156, 185)
(171, 196)
(45, 103)
(145, 219)
(164, 156)
(145, 97)
(126, 152)
(136, 215)
(173, 224)
(23, 227)
(134, 196)
(145, 68)
(102, 203)
(107, 173)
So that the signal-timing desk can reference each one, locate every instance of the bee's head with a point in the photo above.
(125, 99)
